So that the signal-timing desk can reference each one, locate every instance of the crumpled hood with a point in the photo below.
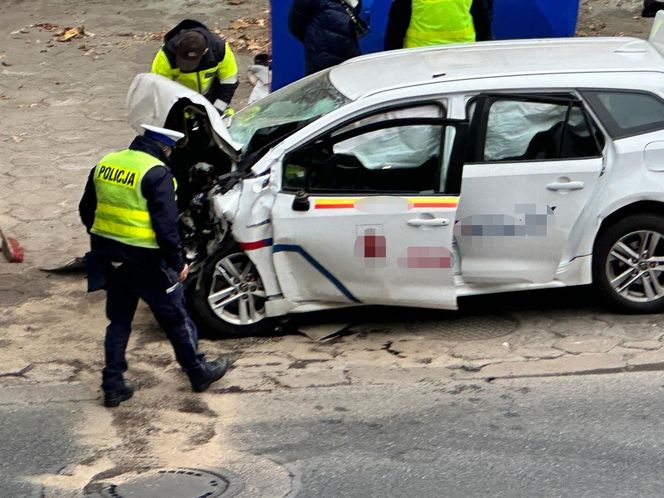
(151, 97)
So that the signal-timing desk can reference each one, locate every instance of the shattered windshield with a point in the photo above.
(303, 100)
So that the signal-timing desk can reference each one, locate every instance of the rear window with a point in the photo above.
(626, 113)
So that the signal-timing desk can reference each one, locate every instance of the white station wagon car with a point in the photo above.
(415, 177)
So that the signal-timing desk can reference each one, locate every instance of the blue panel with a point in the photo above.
(534, 18)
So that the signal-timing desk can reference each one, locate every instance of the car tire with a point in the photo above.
(243, 314)
(626, 278)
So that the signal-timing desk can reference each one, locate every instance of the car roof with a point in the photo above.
(400, 68)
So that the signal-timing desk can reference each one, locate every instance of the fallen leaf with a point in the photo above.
(69, 33)
(16, 139)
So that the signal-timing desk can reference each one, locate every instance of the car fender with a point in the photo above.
(252, 228)
(586, 247)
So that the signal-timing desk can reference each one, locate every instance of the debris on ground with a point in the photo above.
(323, 331)
(17, 372)
(74, 265)
(11, 249)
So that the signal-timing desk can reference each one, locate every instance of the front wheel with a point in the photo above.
(628, 264)
(229, 299)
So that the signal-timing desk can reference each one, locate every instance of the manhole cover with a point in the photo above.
(176, 483)
(466, 328)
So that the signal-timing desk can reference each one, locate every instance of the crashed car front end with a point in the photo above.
(226, 187)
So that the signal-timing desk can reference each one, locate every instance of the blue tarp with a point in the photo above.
(512, 19)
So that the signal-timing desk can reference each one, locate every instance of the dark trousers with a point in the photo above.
(160, 289)
(651, 7)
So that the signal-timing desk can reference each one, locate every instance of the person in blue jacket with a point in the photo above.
(130, 212)
(329, 30)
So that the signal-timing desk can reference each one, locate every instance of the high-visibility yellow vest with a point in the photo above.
(435, 22)
(122, 210)
(200, 81)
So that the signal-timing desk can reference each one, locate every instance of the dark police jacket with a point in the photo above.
(157, 188)
(399, 20)
(326, 30)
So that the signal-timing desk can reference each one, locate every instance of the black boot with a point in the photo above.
(201, 377)
(651, 7)
(117, 396)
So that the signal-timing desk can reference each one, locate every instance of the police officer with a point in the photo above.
(419, 23)
(197, 58)
(130, 212)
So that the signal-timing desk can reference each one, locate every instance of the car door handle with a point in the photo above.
(565, 186)
(429, 222)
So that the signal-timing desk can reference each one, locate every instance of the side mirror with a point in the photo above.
(301, 202)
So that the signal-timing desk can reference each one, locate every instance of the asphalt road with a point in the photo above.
(556, 437)
(35, 440)
(587, 436)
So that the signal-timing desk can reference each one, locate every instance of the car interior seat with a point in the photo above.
(559, 142)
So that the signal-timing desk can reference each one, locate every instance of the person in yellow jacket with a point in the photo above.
(420, 23)
(129, 210)
(197, 58)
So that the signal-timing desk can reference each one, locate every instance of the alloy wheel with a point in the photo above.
(635, 266)
(236, 294)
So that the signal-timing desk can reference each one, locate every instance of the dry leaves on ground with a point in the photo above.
(63, 34)
(248, 33)
(148, 37)
(247, 22)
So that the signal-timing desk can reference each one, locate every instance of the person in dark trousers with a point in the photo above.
(328, 29)
(420, 23)
(651, 7)
(198, 59)
(129, 210)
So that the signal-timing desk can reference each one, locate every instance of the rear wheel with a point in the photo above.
(229, 298)
(628, 264)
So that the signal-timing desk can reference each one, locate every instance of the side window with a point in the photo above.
(519, 130)
(626, 113)
(379, 158)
